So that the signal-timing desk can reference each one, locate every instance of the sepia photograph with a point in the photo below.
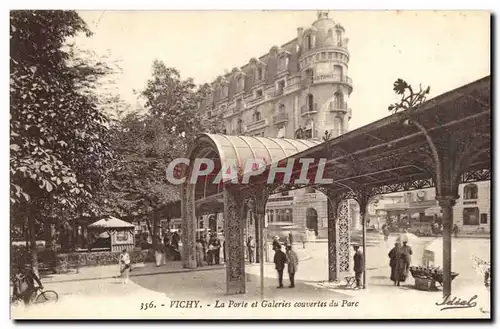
(250, 164)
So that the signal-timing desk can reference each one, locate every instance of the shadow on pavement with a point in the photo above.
(210, 285)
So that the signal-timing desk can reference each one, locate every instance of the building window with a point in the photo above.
(258, 93)
(270, 216)
(239, 104)
(308, 134)
(309, 42)
(282, 63)
(338, 72)
(471, 216)
(284, 215)
(239, 128)
(339, 100)
(309, 76)
(281, 87)
(310, 102)
(470, 192)
(282, 109)
(201, 224)
(259, 74)
(484, 218)
(256, 116)
(122, 236)
(312, 220)
(284, 193)
(240, 83)
(225, 91)
(339, 37)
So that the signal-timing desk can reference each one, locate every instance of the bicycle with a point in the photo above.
(39, 297)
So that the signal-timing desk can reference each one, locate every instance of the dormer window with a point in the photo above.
(259, 74)
(309, 42)
(283, 62)
(339, 37)
(240, 83)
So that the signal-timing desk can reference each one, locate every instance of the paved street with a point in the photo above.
(108, 298)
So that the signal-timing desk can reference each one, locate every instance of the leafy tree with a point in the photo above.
(58, 137)
(148, 142)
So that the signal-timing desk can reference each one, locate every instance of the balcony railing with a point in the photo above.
(293, 83)
(308, 108)
(278, 92)
(338, 106)
(280, 118)
(333, 78)
(256, 125)
(307, 81)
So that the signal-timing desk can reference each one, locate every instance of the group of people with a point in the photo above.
(400, 261)
(280, 259)
(208, 250)
(168, 248)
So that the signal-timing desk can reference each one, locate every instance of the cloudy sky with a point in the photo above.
(442, 49)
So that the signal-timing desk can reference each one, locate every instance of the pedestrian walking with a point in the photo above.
(407, 252)
(251, 249)
(293, 264)
(276, 242)
(398, 264)
(158, 251)
(385, 231)
(455, 230)
(199, 253)
(359, 265)
(214, 249)
(279, 262)
(125, 266)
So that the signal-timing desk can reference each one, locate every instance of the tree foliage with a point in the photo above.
(59, 141)
(148, 140)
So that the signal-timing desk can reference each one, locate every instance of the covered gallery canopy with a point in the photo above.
(237, 150)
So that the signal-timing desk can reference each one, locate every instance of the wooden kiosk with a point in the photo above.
(121, 233)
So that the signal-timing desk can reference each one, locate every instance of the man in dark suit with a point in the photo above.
(279, 261)
(359, 265)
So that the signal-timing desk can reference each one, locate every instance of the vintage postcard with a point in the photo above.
(250, 164)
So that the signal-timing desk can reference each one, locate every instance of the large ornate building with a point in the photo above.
(298, 90)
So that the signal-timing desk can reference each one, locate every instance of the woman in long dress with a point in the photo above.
(398, 264)
(199, 253)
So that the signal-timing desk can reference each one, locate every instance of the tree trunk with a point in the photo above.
(74, 234)
(47, 230)
(32, 245)
(155, 231)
